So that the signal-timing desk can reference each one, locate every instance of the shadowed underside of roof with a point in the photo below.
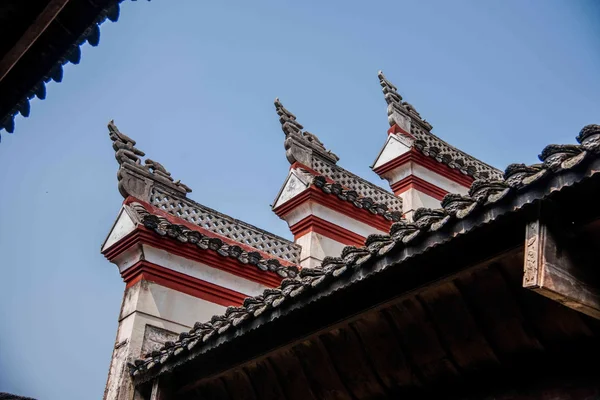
(38, 38)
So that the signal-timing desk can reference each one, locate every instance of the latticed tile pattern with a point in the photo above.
(435, 147)
(362, 187)
(229, 227)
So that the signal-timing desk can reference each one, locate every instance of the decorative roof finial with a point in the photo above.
(299, 144)
(134, 178)
(400, 112)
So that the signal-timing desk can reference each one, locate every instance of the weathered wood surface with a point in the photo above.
(292, 379)
(348, 356)
(322, 376)
(552, 270)
(239, 385)
(456, 336)
(264, 380)
(422, 343)
(385, 353)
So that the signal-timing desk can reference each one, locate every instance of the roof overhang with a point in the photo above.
(38, 38)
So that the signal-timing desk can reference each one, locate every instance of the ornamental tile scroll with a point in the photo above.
(224, 225)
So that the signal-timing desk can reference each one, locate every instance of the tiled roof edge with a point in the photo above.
(353, 197)
(484, 195)
(165, 228)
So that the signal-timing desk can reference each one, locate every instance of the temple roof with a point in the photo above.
(152, 183)
(405, 116)
(488, 203)
(306, 149)
(38, 38)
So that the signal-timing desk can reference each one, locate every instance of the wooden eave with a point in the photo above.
(39, 37)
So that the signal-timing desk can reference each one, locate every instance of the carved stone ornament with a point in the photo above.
(134, 178)
(400, 112)
(300, 145)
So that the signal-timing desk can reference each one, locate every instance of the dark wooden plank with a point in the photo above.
(43, 20)
(294, 383)
(324, 380)
(421, 341)
(161, 390)
(554, 323)
(347, 354)
(552, 270)
(469, 348)
(385, 353)
(239, 386)
(211, 390)
(497, 313)
(264, 380)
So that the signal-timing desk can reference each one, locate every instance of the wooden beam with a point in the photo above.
(33, 32)
(160, 390)
(557, 269)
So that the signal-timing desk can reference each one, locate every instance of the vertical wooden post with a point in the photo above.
(160, 389)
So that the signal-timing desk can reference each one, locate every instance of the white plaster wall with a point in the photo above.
(123, 225)
(419, 171)
(169, 305)
(394, 146)
(317, 247)
(292, 187)
(413, 199)
(147, 303)
(327, 214)
(203, 271)
(189, 267)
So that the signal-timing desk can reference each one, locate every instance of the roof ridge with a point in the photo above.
(463, 152)
(403, 235)
(163, 227)
(381, 192)
(226, 225)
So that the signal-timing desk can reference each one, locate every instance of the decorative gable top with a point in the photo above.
(406, 117)
(151, 182)
(300, 145)
(306, 149)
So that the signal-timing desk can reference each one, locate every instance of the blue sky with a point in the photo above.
(194, 82)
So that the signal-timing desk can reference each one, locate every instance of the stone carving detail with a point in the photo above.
(530, 275)
(134, 178)
(300, 144)
(400, 112)
(229, 227)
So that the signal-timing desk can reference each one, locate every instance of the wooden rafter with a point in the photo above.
(33, 32)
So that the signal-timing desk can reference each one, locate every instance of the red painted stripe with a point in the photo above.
(183, 283)
(141, 235)
(333, 202)
(414, 155)
(396, 129)
(414, 182)
(176, 220)
(327, 229)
